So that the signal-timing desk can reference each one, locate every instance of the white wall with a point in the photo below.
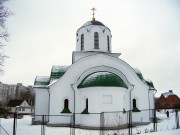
(88, 32)
(62, 89)
(78, 55)
(100, 99)
(152, 102)
(41, 103)
(96, 97)
(24, 110)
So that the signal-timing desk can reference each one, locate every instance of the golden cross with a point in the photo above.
(93, 9)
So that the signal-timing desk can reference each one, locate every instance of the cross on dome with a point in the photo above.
(93, 9)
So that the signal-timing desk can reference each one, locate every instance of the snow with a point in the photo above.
(166, 126)
(148, 80)
(137, 70)
(52, 82)
(170, 132)
(42, 78)
(167, 94)
(57, 68)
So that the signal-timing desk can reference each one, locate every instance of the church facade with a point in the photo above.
(97, 82)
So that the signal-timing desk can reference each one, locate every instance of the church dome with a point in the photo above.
(93, 23)
(93, 36)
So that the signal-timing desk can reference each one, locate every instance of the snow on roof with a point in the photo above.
(52, 82)
(167, 94)
(146, 81)
(57, 68)
(102, 79)
(149, 83)
(41, 81)
(139, 74)
(57, 72)
(137, 70)
(42, 78)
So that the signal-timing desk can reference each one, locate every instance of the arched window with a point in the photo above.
(87, 103)
(66, 103)
(66, 106)
(96, 40)
(134, 103)
(135, 109)
(82, 42)
(108, 43)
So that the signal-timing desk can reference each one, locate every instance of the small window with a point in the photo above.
(82, 42)
(19, 109)
(135, 109)
(66, 106)
(23, 109)
(87, 103)
(134, 103)
(108, 43)
(96, 40)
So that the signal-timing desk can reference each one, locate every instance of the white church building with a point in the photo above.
(96, 85)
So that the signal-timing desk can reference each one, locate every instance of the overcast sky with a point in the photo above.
(43, 34)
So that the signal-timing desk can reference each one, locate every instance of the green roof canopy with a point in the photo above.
(104, 79)
(57, 72)
(41, 81)
(148, 82)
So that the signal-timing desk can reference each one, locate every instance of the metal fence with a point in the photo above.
(105, 123)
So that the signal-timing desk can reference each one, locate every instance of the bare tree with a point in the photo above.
(4, 13)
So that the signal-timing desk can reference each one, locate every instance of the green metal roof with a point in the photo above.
(148, 82)
(96, 79)
(57, 72)
(139, 74)
(41, 81)
(104, 79)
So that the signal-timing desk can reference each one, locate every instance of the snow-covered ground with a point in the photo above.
(166, 126)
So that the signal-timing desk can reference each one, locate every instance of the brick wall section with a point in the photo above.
(169, 102)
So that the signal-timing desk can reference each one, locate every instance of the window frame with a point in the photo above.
(96, 40)
(82, 42)
(134, 103)
(108, 43)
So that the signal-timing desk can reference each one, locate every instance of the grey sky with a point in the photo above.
(146, 32)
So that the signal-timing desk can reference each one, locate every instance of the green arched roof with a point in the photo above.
(57, 72)
(41, 81)
(104, 79)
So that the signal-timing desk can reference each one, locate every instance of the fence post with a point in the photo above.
(101, 123)
(14, 124)
(177, 118)
(130, 123)
(154, 120)
(72, 126)
(42, 126)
